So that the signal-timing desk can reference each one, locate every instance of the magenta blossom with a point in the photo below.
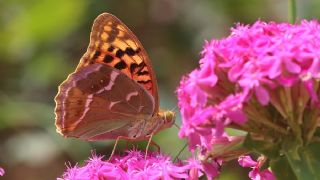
(1, 171)
(262, 80)
(256, 173)
(134, 165)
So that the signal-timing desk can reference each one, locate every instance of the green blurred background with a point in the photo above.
(41, 42)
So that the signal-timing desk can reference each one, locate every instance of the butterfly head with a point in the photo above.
(168, 118)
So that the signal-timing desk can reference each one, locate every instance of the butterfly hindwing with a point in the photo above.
(99, 102)
(112, 43)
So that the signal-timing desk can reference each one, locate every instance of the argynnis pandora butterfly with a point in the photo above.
(113, 92)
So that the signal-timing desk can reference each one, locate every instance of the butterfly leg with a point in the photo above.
(156, 145)
(149, 142)
(115, 145)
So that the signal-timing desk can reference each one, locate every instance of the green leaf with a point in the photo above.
(292, 145)
(317, 133)
(307, 166)
(282, 169)
(269, 149)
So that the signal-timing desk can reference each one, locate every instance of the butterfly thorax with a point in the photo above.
(159, 121)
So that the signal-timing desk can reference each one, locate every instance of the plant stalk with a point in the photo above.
(292, 11)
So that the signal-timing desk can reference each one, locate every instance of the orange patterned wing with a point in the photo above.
(113, 43)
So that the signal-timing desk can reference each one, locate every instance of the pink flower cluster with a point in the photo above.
(254, 67)
(135, 165)
(255, 173)
(262, 78)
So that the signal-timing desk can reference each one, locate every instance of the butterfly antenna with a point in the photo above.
(174, 109)
(177, 126)
(179, 153)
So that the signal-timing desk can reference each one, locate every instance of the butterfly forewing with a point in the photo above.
(112, 43)
(100, 102)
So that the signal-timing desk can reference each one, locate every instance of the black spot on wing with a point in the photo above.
(140, 73)
(119, 53)
(137, 68)
(111, 48)
(144, 82)
(142, 65)
(129, 51)
(133, 67)
(96, 54)
(121, 65)
(108, 58)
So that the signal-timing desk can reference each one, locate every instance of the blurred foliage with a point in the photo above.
(42, 42)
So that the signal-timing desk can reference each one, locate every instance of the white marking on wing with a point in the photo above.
(63, 111)
(113, 76)
(63, 104)
(86, 108)
(140, 108)
(128, 97)
(112, 104)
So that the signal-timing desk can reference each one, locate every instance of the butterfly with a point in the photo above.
(113, 92)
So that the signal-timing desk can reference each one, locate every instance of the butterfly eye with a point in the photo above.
(101, 81)
(135, 136)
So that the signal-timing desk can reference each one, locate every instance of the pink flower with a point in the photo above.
(197, 168)
(255, 173)
(134, 165)
(1, 171)
(262, 80)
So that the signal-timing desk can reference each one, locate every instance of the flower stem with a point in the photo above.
(305, 166)
(176, 157)
(292, 11)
